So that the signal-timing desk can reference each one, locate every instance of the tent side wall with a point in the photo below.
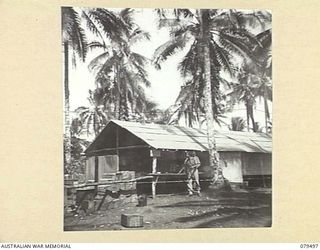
(257, 168)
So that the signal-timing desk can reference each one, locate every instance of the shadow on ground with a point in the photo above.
(242, 208)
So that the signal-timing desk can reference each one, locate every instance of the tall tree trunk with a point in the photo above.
(125, 103)
(248, 116)
(117, 94)
(251, 115)
(67, 131)
(266, 109)
(133, 106)
(205, 36)
(95, 127)
(254, 126)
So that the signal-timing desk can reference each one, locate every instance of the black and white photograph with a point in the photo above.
(167, 118)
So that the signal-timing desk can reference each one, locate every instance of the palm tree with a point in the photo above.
(264, 71)
(264, 90)
(73, 36)
(237, 124)
(212, 39)
(245, 90)
(261, 67)
(100, 22)
(121, 71)
(94, 117)
(188, 106)
(254, 80)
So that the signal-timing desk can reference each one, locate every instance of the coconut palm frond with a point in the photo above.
(220, 20)
(236, 46)
(111, 25)
(223, 56)
(98, 61)
(138, 35)
(186, 13)
(246, 36)
(265, 38)
(184, 28)
(72, 32)
(97, 45)
(190, 62)
(126, 17)
(168, 23)
(92, 26)
(139, 59)
(168, 49)
(254, 19)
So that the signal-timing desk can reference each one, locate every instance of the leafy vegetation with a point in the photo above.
(227, 60)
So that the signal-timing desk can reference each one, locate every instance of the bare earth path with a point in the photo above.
(212, 210)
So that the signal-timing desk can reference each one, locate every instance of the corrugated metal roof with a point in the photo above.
(183, 138)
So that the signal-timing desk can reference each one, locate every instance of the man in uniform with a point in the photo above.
(191, 165)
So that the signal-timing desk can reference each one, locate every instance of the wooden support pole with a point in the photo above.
(96, 169)
(154, 170)
(154, 165)
(117, 141)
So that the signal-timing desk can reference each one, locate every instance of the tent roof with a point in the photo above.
(182, 138)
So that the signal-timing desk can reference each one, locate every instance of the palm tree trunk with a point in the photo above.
(125, 102)
(248, 117)
(67, 131)
(117, 94)
(95, 130)
(266, 109)
(205, 35)
(250, 108)
(252, 120)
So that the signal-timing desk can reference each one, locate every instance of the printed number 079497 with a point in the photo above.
(308, 245)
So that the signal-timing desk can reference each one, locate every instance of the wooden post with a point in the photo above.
(96, 169)
(154, 170)
(117, 141)
(154, 165)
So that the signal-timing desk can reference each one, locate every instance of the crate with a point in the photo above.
(131, 220)
(71, 182)
(108, 177)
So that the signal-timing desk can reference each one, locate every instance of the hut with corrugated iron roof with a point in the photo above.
(159, 151)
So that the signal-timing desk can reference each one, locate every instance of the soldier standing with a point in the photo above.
(191, 165)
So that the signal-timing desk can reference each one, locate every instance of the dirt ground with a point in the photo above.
(241, 208)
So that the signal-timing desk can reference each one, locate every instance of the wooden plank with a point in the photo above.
(93, 184)
(119, 148)
(103, 199)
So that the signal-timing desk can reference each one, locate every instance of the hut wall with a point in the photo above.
(108, 164)
(170, 161)
(90, 169)
(232, 166)
(230, 163)
(137, 160)
(256, 164)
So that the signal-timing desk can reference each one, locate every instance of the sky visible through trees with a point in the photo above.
(165, 83)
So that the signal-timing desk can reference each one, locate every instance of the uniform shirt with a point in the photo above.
(193, 162)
